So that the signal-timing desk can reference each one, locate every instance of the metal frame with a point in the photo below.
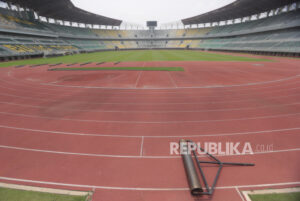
(193, 179)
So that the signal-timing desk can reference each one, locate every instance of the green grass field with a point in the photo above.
(276, 197)
(137, 55)
(120, 69)
(20, 195)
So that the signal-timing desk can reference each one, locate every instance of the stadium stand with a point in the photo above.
(22, 35)
(281, 41)
(282, 21)
(70, 31)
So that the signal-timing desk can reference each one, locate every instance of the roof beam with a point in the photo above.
(237, 9)
(66, 11)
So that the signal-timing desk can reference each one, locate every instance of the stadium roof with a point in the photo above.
(66, 11)
(237, 9)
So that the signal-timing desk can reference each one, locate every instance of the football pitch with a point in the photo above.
(134, 55)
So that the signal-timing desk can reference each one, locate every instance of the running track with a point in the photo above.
(110, 131)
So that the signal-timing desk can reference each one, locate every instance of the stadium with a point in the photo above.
(202, 109)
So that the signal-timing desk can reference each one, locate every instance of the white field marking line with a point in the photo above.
(203, 87)
(135, 156)
(138, 103)
(164, 88)
(55, 82)
(238, 192)
(142, 147)
(138, 79)
(266, 185)
(269, 191)
(128, 136)
(172, 80)
(68, 153)
(246, 94)
(52, 89)
(157, 111)
(164, 92)
(143, 66)
(277, 97)
(289, 89)
(44, 190)
(246, 196)
(148, 122)
(140, 189)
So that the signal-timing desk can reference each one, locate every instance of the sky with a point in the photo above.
(140, 11)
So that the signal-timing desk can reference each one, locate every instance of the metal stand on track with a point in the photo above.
(192, 175)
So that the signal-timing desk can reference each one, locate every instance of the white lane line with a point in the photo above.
(148, 122)
(164, 88)
(135, 156)
(67, 153)
(130, 92)
(19, 80)
(246, 196)
(142, 147)
(123, 92)
(14, 83)
(44, 190)
(140, 189)
(157, 111)
(138, 79)
(172, 80)
(56, 82)
(153, 103)
(238, 192)
(265, 185)
(149, 136)
(70, 133)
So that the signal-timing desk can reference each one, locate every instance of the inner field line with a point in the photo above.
(133, 156)
(141, 189)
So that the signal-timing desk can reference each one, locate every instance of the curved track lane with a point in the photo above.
(111, 131)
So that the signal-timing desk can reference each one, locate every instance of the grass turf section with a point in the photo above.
(135, 55)
(276, 197)
(20, 195)
(120, 69)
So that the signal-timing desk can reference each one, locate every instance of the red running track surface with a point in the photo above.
(110, 131)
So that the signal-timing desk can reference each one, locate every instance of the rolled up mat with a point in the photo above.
(190, 170)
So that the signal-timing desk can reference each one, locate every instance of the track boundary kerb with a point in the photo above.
(141, 189)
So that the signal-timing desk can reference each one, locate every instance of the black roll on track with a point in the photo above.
(191, 173)
(189, 156)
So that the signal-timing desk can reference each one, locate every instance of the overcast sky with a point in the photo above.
(140, 11)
